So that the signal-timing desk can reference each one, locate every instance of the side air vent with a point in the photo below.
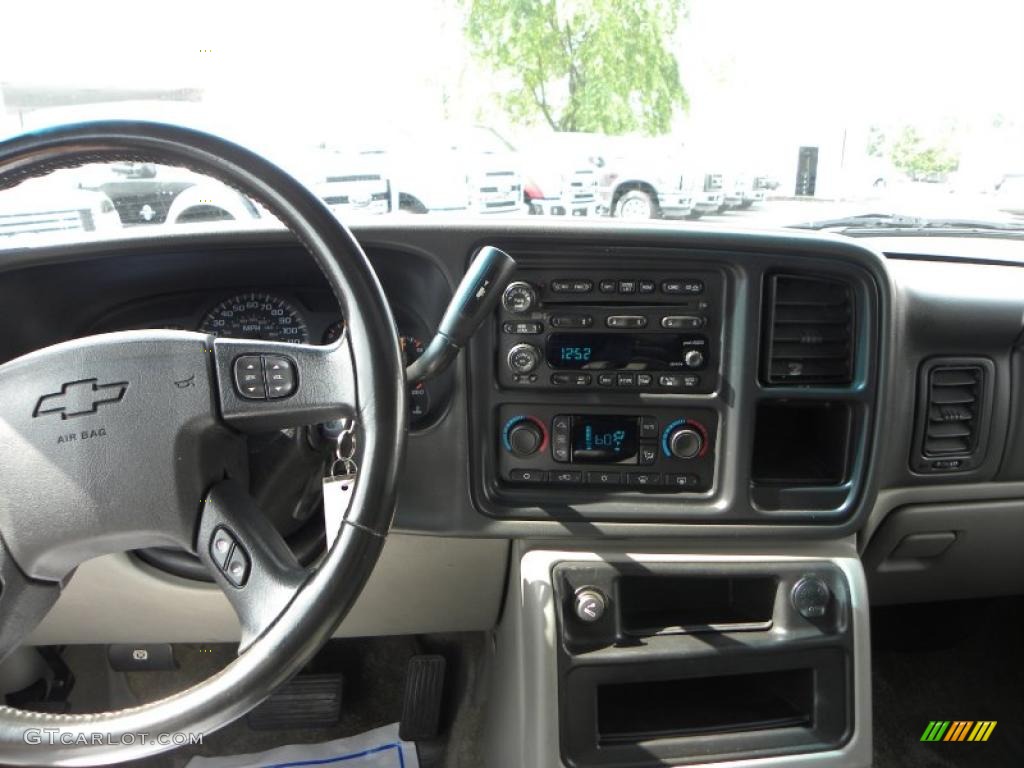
(809, 331)
(952, 414)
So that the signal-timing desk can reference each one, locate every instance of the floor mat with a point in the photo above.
(948, 661)
(379, 748)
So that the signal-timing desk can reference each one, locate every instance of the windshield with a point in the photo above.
(847, 117)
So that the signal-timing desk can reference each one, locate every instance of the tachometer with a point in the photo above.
(256, 316)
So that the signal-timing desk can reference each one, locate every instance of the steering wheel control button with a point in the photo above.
(249, 377)
(237, 569)
(280, 373)
(810, 597)
(229, 556)
(221, 546)
(590, 604)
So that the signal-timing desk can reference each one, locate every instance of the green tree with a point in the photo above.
(918, 158)
(602, 65)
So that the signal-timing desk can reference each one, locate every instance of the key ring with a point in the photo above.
(345, 449)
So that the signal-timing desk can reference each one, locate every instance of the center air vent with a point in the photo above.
(809, 333)
(952, 415)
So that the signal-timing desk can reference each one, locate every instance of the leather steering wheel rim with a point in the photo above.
(319, 601)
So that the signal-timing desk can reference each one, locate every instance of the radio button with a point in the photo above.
(692, 287)
(690, 381)
(648, 455)
(604, 478)
(606, 379)
(519, 297)
(648, 427)
(566, 477)
(572, 321)
(644, 379)
(647, 286)
(582, 286)
(627, 286)
(527, 476)
(626, 380)
(670, 381)
(561, 286)
(608, 286)
(626, 321)
(523, 358)
(643, 478)
(675, 322)
(523, 329)
(582, 379)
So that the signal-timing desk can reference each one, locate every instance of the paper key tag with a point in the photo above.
(338, 491)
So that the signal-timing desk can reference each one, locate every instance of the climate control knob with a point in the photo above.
(525, 438)
(523, 358)
(519, 297)
(685, 442)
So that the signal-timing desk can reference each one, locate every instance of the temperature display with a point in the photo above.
(604, 439)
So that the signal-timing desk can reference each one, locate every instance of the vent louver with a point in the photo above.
(953, 410)
(809, 335)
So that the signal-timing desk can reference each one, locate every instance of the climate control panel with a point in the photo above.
(644, 449)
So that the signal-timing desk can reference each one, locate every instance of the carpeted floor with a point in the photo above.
(374, 684)
(948, 661)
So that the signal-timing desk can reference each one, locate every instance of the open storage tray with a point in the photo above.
(686, 710)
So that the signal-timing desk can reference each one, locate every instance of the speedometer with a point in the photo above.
(256, 316)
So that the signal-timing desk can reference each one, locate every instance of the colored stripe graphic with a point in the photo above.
(958, 730)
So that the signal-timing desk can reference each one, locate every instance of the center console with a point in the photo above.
(609, 333)
(652, 384)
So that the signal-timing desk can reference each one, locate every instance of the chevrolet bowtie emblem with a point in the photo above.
(78, 398)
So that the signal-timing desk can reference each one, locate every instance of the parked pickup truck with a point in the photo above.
(53, 204)
(559, 176)
(441, 169)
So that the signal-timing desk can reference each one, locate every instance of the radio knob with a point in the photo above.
(525, 438)
(685, 442)
(694, 358)
(519, 297)
(523, 358)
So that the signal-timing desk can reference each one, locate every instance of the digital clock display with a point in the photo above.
(604, 439)
(573, 354)
(620, 351)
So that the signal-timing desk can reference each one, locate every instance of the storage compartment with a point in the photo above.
(727, 704)
(651, 604)
(801, 443)
(630, 713)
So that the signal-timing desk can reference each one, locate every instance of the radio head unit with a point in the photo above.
(618, 330)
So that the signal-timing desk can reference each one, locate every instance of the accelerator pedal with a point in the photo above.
(424, 687)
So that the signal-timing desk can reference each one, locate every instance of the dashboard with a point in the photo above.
(659, 384)
(299, 315)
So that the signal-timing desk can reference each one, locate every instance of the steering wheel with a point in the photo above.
(136, 439)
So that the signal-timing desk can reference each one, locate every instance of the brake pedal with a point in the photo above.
(424, 687)
(306, 701)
